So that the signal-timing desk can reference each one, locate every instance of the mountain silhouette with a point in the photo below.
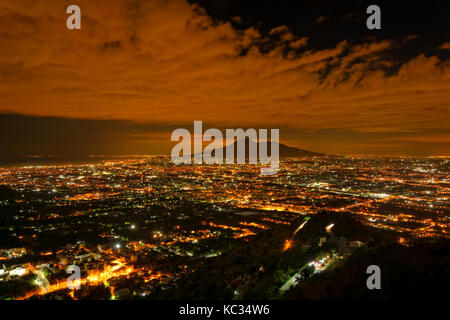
(284, 151)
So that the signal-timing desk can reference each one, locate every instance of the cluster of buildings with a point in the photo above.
(123, 211)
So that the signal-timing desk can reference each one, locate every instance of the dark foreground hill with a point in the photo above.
(6, 193)
(322, 265)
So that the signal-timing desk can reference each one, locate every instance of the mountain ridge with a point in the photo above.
(285, 151)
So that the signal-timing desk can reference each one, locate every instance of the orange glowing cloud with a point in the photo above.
(169, 62)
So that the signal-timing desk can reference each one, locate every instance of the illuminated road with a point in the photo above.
(291, 282)
(42, 280)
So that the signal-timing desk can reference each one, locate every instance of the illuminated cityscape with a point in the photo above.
(199, 157)
(137, 225)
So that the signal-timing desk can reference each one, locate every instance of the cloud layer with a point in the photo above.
(166, 61)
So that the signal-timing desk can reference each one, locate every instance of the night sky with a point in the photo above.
(139, 69)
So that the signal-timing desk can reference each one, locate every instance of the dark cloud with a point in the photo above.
(22, 135)
(111, 45)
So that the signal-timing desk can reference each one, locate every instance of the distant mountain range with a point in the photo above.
(291, 152)
(25, 160)
(284, 151)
